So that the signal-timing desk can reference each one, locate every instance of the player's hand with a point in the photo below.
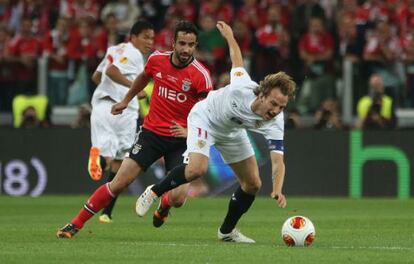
(178, 131)
(224, 29)
(118, 108)
(280, 198)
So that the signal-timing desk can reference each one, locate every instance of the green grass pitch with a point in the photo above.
(347, 231)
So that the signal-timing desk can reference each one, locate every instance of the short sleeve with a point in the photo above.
(239, 76)
(129, 62)
(151, 62)
(204, 82)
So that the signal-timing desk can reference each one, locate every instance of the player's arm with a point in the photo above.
(178, 131)
(137, 86)
(234, 49)
(96, 77)
(115, 74)
(278, 177)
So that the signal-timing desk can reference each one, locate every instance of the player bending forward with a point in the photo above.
(222, 120)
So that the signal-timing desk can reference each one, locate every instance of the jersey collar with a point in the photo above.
(180, 67)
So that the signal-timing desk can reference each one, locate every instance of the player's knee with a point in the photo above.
(195, 172)
(253, 186)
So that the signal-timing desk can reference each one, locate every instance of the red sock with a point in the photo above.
(99, 199)
(165, 200)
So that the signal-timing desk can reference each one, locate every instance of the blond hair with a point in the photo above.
(281, 81)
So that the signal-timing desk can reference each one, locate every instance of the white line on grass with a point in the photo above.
(144, 243)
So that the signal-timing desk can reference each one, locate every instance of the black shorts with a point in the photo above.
(148, 147)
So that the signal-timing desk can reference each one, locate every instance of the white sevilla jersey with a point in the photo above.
(129, 61)
(229, 109)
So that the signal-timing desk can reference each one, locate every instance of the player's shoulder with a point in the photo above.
(159, 55)
(199, 66)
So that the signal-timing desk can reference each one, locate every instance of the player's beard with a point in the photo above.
(183, 60)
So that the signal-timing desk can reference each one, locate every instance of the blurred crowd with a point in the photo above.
(308, 39)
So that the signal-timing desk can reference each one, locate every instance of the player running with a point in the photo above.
(222, 120)
(180, 81)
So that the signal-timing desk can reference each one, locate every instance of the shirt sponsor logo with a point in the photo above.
(186, 85)
(172, 94)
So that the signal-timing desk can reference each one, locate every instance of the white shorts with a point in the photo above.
(201, 136)
(112, 134)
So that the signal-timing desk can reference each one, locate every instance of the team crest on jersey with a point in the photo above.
(201, 143)
(238, 74)
(186, 85)
(123, 60)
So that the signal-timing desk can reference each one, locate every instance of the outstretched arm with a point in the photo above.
(235, 53)
(278, 177)
(137, 86)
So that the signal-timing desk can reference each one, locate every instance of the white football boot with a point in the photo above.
(234, 236)
(144, 202)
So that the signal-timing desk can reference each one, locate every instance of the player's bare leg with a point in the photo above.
(247, 173)
(196, 167)
(174, 198)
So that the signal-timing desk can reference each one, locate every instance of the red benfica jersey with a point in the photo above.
(176, 90)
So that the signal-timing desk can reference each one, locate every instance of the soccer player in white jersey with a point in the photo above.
(112, 136)
(222, 120)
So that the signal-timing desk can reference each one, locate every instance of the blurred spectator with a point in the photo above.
(29, 118)
(55, 49)
(6, 74)
(273, 46)
(83, 62)
(108, 35)
(252, 14)
(79, 9)
(328, 115)
(223, 80)
(184, 9)
(381, 52)
(408, 59)
(24, 50)
(83, 118)
(126, 12)
(244, 37)
(376, 110)
(211, 45)
(351, 46)
(218, 9)
(302, 14)
(373, 11)
(31, 111)
(164, 38)
(293, 119)
(316, 51)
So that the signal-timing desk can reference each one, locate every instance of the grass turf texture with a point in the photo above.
(347, 231)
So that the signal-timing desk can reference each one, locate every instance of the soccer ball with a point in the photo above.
(298, 231)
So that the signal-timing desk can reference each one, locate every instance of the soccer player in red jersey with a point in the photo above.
(180, 81)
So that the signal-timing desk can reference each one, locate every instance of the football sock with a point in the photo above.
(239, 203)
(108, 209)
(165, 201)
(99, 199)
(175, 178)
